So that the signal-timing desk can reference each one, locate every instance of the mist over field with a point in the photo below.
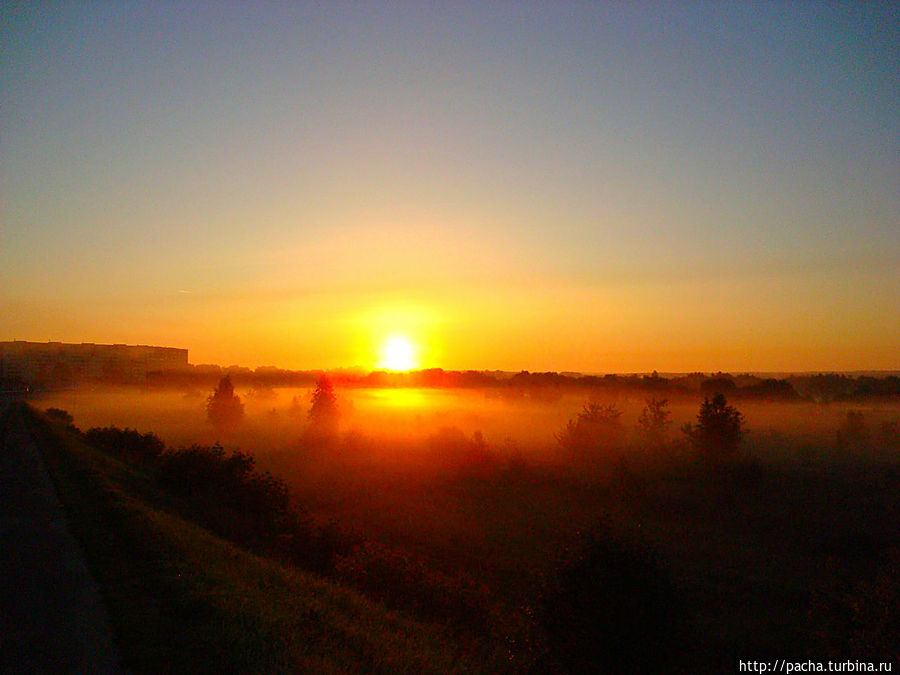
(405, 418)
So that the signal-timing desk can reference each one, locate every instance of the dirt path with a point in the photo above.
(51, 617)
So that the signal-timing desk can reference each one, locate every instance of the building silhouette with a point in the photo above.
(39, 364)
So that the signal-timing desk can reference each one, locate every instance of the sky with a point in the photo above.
(593, 187)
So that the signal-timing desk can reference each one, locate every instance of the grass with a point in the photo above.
(183, 600)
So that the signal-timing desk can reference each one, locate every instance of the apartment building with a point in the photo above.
(59, 363)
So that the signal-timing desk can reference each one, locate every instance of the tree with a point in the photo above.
(655, 419)
(223, 408)
(596, 426)
(718, 432)
(853, 433)
(324, 413)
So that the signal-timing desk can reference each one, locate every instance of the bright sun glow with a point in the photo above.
(398, 353)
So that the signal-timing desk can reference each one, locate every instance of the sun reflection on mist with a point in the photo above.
(398, 398)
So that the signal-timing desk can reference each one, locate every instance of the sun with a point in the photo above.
(398, 353)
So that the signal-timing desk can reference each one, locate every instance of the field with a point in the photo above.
(790, 550)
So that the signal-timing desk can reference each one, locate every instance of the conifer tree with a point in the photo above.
(223, 408)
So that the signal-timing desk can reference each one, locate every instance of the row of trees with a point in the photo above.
(717, 432)
(818, 387)
(225, 410)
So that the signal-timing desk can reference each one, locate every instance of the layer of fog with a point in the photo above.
(395, 421)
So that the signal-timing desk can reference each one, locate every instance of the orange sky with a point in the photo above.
(541, 186)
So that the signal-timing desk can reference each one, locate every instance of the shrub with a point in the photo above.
(127, 443)
(609, 608)
(314, 547)
(59, 415)
(876, 612)
(405, 579)
(225, 491)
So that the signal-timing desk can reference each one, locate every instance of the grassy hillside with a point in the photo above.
(184, 600)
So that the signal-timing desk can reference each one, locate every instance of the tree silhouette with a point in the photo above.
(655, 419)
(853, 433)
(718, 432)
(324, 413)
(596, 426)
(223, 408)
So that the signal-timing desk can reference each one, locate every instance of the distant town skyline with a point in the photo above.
(589, 187)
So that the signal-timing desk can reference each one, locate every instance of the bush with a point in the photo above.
(402, 578)
(223, 492)
(609, 608)
(876, 613)
(59, 415)
(226, 492)
(127, 443)
(889, 434)
(314, 547)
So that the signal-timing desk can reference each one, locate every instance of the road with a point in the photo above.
(51, 617)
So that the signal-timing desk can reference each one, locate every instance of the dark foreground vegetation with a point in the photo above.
(687, 557)
(183, 600)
